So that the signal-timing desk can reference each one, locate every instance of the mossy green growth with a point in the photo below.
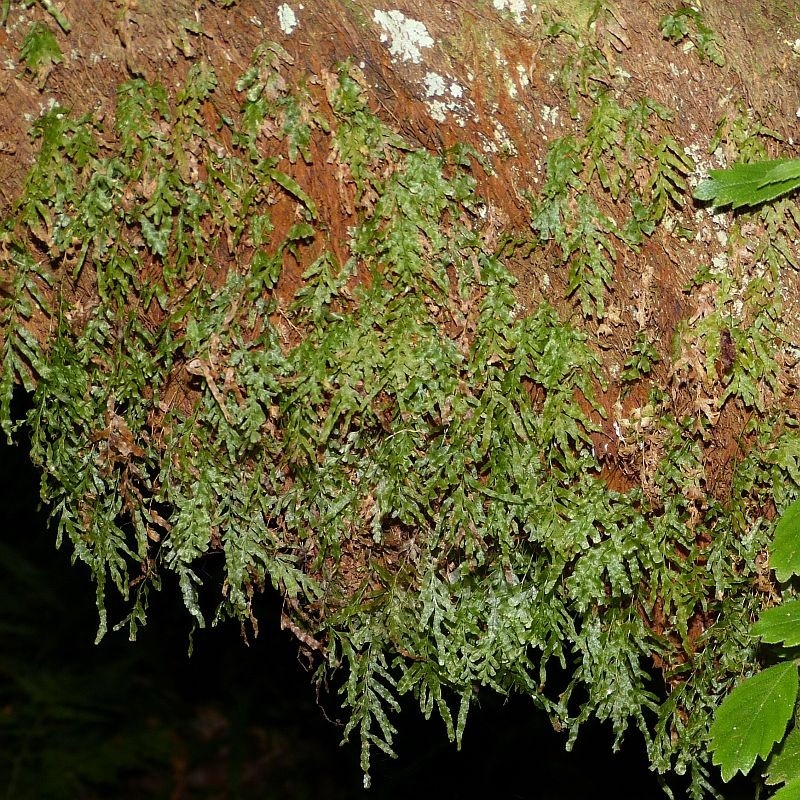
(396, 448)
(688, 22)
(40, 51)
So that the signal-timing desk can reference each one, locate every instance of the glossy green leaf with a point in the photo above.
(747, 185)
(784, 170)
(785, 551)
(752, 719)
(780, 624)
(789, 792)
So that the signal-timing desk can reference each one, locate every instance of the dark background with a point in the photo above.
(144, 719)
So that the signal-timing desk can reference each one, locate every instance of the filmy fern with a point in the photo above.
(397, 447)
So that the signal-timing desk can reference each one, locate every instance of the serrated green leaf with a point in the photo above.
(785, 550)
(784, 766)
(780, 624)
(784, 169)
(752, 719)
(747, 185)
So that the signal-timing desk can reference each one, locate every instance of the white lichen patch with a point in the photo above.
(505, 145)
(703, 164)
(438, 110)
(516, 8)
(719, 264)
(434, 84)
(441, 109)
(287, 19)
(550, 114)
(502, 63)
(442, 99)
(406, 36)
